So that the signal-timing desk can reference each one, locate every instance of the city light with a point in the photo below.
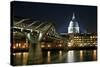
(47, 36)
(49, 45)
(60, 45)
(14, 46)
(42, 46)
(69, 44)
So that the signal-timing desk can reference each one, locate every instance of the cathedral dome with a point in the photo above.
(73, 22)
(73, 25)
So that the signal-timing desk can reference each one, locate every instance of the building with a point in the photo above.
(82, 39)
(73, 25)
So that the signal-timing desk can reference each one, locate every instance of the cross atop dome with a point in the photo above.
(73, 17)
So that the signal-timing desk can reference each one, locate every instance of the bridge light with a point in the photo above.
(42, 46)
(26, 45)
(14, 46)
(81, 45)
(60, 45)
(31, 30)
(21, 29)
(14, 54)
(19, 44)
(69, 44)
(49, 45)
(23, 46)
(40, 36)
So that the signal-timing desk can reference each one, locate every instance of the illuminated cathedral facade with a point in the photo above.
(73, 25)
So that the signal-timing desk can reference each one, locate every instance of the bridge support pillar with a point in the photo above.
(35, 54)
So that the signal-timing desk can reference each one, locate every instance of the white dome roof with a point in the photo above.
(73, 24)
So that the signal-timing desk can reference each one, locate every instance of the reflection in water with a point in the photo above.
(94, 54)
(25, 58)
(38, 54)
(18, 58)
(14, 54)
(35, 54)
(21, 58)
(81, 55)
(70, 56)
(49, 57)
(60, 56)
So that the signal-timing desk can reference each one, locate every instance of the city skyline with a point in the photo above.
(35, 37)
(60, 14)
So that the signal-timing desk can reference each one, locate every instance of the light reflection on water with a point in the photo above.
(58, 56)
(94, 54)
(70, 56)
(25, 58)
(81, 55)
(48, 57)
(20, 58)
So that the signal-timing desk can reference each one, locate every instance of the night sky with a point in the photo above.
(60, 14)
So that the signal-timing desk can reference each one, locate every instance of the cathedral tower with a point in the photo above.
(73, 25)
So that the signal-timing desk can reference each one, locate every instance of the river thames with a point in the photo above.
(51, 57)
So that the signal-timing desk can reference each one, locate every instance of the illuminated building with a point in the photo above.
(19, 43)
(82, 39)
(73, 25)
